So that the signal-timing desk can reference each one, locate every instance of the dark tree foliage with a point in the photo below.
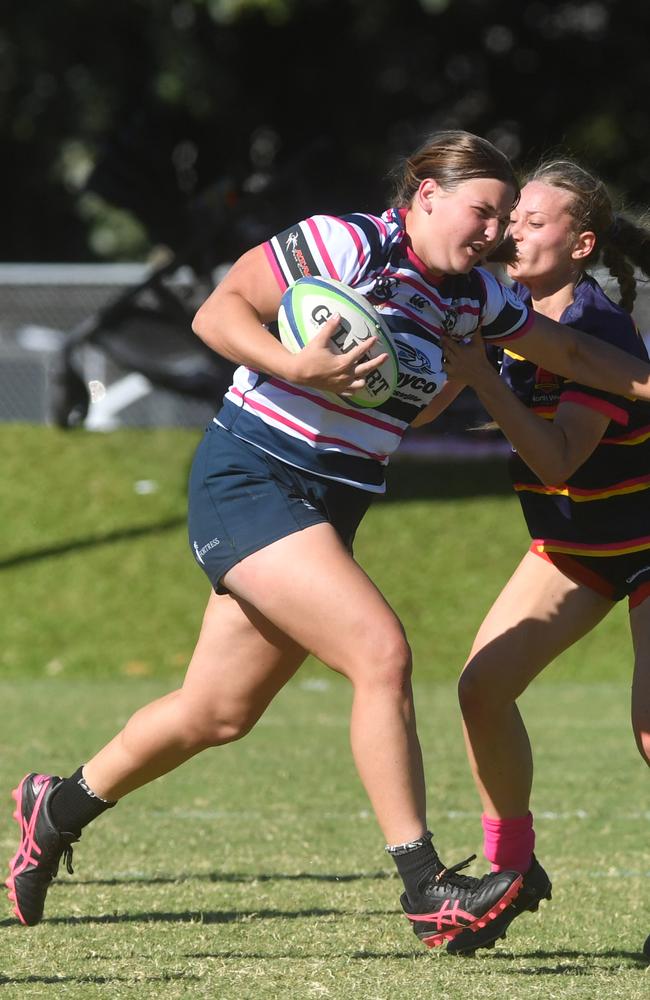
(162, 102)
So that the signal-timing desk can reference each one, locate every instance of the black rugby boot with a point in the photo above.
(536, 886)
(448, 904)
(36, 862)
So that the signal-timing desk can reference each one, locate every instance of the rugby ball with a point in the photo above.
(310, 302)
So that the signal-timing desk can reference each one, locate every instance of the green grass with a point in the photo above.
(98, 579)
(257, 870)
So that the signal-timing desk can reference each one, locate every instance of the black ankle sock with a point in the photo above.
(415, 861)
(73, 804)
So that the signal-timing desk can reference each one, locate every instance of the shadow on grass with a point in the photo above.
(405, 481)
(566, 970)
(91, 542)
(54, 980)
(253, 955)
(231, 878)
(201, 917)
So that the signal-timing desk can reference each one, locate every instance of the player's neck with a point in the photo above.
(550, 298)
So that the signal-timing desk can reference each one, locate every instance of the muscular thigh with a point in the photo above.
(538, 614)
(311, 588)
(241, 660)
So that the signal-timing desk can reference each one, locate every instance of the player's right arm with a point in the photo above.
(232, 322)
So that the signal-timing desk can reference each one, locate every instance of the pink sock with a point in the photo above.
(509, 843)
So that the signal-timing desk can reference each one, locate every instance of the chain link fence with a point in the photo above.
(43, 307)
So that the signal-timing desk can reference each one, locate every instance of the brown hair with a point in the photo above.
(621, 243)
(451, 157)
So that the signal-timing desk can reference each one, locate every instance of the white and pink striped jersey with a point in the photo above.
(324, 433)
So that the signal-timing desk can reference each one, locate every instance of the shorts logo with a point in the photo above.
(629, 579)
(212, 544)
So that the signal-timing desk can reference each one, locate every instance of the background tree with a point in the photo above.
(117, 120)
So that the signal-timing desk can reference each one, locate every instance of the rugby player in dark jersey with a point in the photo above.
(581, 469)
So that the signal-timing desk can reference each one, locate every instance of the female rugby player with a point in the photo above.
(279, 485)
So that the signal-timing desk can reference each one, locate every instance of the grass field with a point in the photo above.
(257, 870)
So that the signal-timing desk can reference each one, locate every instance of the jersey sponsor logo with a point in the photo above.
(408, 397)
(200, 552)
(425, 386)
(412, 358)
(297, 253)
(384, 288)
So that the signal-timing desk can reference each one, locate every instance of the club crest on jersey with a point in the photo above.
(384, 288)
(449, 319)
(418, 302)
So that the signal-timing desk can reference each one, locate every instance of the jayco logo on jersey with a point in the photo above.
(412, 358)
(212, 544)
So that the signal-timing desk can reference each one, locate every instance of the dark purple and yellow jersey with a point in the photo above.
(604, 507)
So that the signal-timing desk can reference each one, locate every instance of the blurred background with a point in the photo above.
(147, 143)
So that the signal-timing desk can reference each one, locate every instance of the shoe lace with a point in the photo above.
(66, 855)
(451, 877)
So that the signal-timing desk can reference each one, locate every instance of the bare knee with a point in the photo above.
(387, 665)
(478, 695)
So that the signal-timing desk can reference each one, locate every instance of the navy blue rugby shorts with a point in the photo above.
(241, 499)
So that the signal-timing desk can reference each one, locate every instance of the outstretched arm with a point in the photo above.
(553, 450)
(582, 358)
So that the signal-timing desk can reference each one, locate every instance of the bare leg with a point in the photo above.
(240, 662)
(303, 592)
(539, 613)
(640, 625)
(331, 607)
